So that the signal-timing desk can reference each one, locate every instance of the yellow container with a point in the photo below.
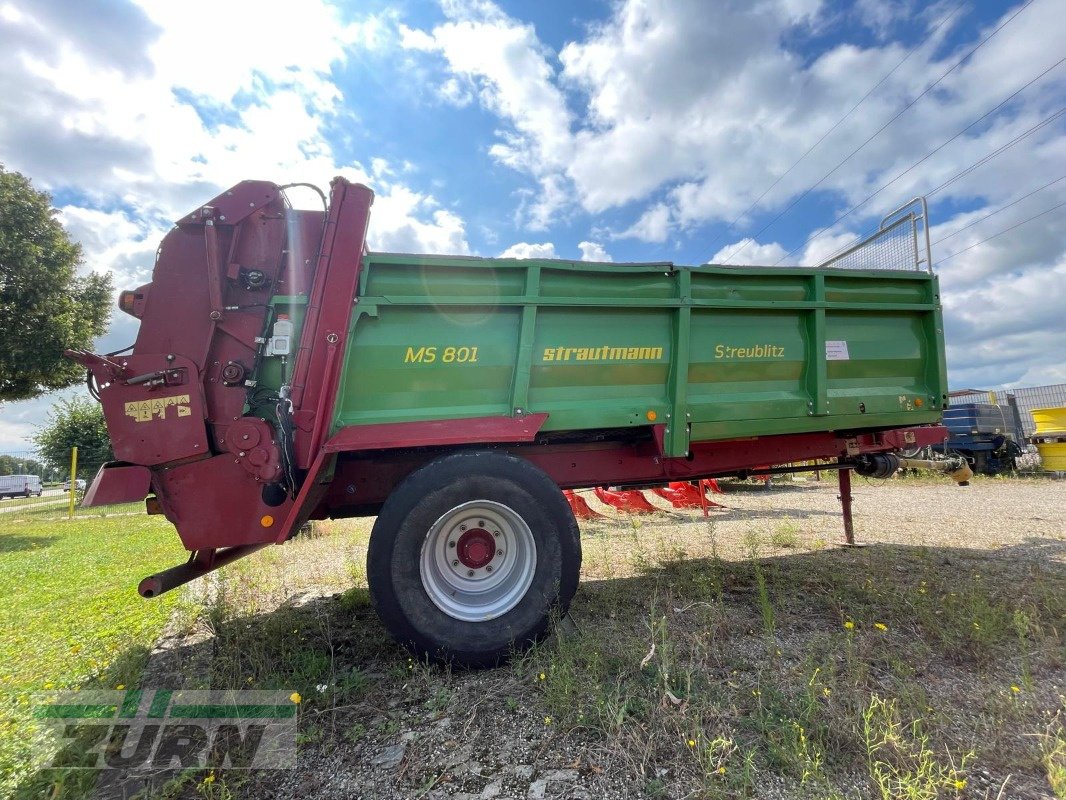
(1051, 424)
(1053, 456)
(1050, 420)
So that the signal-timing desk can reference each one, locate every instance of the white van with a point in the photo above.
(20, 485)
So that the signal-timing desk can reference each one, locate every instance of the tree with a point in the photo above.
(44, 304)
(77, 422)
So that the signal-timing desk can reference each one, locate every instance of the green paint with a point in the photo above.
(724, 351)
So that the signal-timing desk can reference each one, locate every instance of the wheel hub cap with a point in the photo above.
(476, 548)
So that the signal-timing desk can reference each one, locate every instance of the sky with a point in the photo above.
(628, 130)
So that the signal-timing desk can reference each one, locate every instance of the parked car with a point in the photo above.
(79, 484)
(20, 485)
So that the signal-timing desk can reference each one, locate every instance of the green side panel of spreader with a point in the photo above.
(711, 352)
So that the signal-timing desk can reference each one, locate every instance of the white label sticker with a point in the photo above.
(836, 350)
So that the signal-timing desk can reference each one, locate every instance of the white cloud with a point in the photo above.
(502, 61)
(653, 225)
(1008, 329)
(167, 129)
(746, 251)
(407, 221)
(593, 251)
(714, 107)
(529, 250)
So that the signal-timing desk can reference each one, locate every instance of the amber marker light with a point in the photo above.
(651, 415)
(266, 520)
(919, 402)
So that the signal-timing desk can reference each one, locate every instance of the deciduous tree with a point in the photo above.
(45, 306)
(77, 422)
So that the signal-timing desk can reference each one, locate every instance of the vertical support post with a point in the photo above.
(526, 333)
(817, 378)
(73, 480)
(844, 478)
(676, 439)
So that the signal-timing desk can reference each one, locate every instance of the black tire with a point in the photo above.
(437, 492)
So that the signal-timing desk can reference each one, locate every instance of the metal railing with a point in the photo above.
(900, 243)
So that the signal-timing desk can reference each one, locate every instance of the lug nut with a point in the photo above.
(462, 527)
(488, 569)
(451, 544)
(455, 563)
(495, 533)
(481, 523)
(470, 573)
(499, 552)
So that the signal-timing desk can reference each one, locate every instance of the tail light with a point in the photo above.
(132, 301)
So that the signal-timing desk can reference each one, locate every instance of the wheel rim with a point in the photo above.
(478, 561)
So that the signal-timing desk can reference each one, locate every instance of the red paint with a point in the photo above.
(118, 483)
(844, 483)
(215, 503)
(436, 433)
(682, 494)
(476, 548)
(629, 501)
(153, 406)
(367, 472)
(251, 441)
(580, 507)
(329, 312)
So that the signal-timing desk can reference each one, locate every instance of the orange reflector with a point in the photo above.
(651, 415)
(266, 521)
(919, 402)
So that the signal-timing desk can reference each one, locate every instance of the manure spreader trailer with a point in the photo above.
(283, 373)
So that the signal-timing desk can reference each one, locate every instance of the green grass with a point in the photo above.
(49, 499)
(70, 616)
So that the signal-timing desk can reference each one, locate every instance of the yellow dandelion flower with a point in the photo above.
(295, 697)
(209, 779)
(960, 784)
(827, 691)
(121, 686)
(849, 625)
(541, 676)
(1015, 689)
(881, 626)
(691, 742)
(721, 770)
(547, 720)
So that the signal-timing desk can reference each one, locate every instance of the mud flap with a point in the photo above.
(117, 482)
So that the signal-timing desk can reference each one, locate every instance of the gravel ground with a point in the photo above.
(469, 743)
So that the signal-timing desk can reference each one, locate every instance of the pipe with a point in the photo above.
(201, 563)
(885, 465)
(957, 468)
